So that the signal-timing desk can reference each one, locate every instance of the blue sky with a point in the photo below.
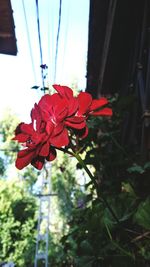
(17, 72)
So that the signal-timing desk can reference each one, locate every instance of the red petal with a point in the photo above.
(18, 128)
(44, 102)
(52, 154)
(27, 128)
(55, 99)
(85, 101)
(85, 133)
(47, 101)
(49, 127)
(61, 110)
(21, 137)
(38, 162)
(25, 152)
(64, 91)
(72, 106)
(44, 150)
(35, 112)
(45, 115)
(75, 122)
(58, 129)
(103, 112)
(36, 115)
(24, 158)
(75, 119)
(67, 93)
(61, 139)
(97, 103)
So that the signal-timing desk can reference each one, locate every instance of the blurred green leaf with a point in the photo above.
(142, 215)
(136, 169)
(35, 87)
(86, 247)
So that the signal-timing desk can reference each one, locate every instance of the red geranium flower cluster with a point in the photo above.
(53, 120)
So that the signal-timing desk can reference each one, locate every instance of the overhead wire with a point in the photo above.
(50, 25)
(40, 44)
(57, 39)
(29, 41)
(67, 17)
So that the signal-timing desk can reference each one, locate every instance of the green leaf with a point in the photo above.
(147, 165)
(126, 187)
(142, 216)
(136, 168)
(35, 87)
(45, 89)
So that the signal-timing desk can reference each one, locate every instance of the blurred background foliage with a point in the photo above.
(83, 231)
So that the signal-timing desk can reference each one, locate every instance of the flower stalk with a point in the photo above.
(102, 199)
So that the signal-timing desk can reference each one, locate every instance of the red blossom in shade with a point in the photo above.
(73, 121)
(53, 120)
(36, 142)
(86, 107)
(60, 111)
(94, 107)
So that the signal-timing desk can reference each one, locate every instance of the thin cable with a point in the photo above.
(29, 41)
(67, 17)
(57, 39)
(40, 45)
(50, 25)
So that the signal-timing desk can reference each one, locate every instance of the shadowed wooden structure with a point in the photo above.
(119, 61)
(7, 29)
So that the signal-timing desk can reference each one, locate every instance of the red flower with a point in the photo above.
(86, 107)
(34, 137)
(94, 107)
(53, 120)
(60, 110)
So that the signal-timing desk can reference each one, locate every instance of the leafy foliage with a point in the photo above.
(7, 126)
(107, 227)
(113, 228)
(17, 204)
(2, 166)
(17, 223)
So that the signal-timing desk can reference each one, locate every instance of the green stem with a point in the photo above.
(77, 156)
(65, 151)
(82, 163)
(110, 209)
